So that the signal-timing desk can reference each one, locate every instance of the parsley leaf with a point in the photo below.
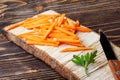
(85, 60)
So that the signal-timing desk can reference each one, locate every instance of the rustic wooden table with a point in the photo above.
(15, 63)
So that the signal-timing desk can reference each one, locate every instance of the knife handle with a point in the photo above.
(115, 68)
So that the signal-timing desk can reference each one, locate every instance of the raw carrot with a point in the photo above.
(37, 38)
(31, 37)
(77, 24)
(65, 31)
(61, 19)
(68, 40)
(53, 30)
(13, 26)
(74, 44)
(75, 49)
(41, 43)
(62, 36)
(27, 33)
(35, 24)
(83, 29)
(50, 29)
(71, 24)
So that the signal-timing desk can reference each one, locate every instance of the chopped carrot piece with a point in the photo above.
(41, 43)
(65, 31)
(14, 26)
(77, 24)
(68, 40)
(75, 49)
(52, 30)
(71, 23)
(61, 19)
(61, 35)
(83, 29)
(74, 44)
(31, 37)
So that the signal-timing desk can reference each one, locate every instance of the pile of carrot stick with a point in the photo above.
(52, 30)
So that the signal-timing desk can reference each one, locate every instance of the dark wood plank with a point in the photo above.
(15, 62)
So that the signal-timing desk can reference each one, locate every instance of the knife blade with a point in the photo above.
(110, 55)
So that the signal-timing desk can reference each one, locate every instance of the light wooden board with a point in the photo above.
(61, 62)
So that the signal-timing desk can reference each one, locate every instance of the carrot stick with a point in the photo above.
(77, 24)
(27, 33)
(65, 31)
(31, 37)
(68, 40)
(83, 29)
(37, 38)
(62, 36)
(61, 19)
(40, 43)
(71, 24)
(50, 29)
(67, 26)
(34, 24)
(74, 44)
(58, 34)
(29, 20)
(75, 49)
(14, 26)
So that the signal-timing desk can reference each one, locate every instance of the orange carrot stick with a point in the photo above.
(62, 36)
(61, 19)
(50, 29)
(40, 43)
(65, 31)
(68, 40)
(31, 37)
(75, 49)
(83, 29)
(14, 26)
(71, 24)
(37, 38)
(74, 44)
(77, 24)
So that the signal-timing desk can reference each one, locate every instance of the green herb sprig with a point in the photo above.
(85, 60)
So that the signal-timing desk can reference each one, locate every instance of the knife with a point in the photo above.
(111, 57)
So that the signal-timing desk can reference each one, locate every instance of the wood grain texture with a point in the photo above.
(92, 13)
(62, 62)
(15, 63)
(95, 14)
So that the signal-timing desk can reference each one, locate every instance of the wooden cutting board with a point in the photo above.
(61, 62)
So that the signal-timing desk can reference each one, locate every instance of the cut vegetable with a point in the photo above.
(52, 30)
(41, 43)
(75, 49)
(83, 29)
